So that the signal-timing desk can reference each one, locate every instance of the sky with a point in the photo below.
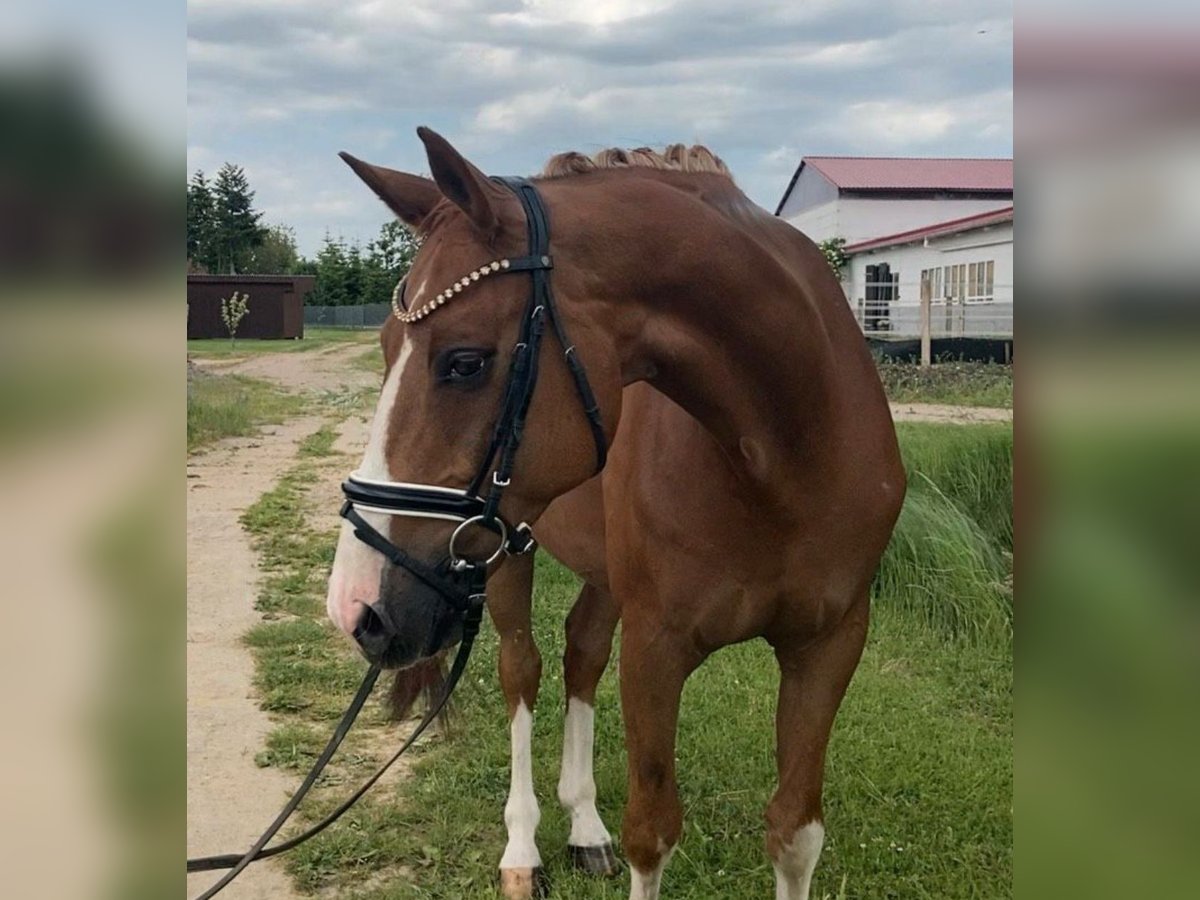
(279, 87)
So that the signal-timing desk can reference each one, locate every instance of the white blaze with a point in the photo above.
(354, 581)
(416, 297)
(521, 813)
(794, 868)
(577, 784)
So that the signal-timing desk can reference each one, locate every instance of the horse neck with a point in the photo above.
(708, 304)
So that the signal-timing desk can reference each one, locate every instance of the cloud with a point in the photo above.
(285, 84)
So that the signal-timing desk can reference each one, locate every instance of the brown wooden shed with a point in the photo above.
(276, 305)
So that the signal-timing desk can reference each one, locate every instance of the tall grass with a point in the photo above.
(949, 561)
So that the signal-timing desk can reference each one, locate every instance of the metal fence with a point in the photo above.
(894, 310)
(367, 315)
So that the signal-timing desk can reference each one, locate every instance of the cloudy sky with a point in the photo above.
(280, 86)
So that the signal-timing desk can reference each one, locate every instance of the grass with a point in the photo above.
(950, 558)
(234, 406)
(949, 381)
(919, 786)
(372, 360)
(313, 338)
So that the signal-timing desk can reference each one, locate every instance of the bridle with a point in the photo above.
(460, 580)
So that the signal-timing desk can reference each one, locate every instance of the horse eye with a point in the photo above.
(464, 365)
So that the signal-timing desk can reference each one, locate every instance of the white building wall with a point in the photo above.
(907, 261)
(858, 219)
(818, 222)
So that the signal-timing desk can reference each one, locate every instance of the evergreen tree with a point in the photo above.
(200, 222)
(388, 259)
(348, 274)
(237, 231)
(331, 271)
(355, 280)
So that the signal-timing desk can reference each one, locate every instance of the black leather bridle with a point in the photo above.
(459, 580)
(468, 506)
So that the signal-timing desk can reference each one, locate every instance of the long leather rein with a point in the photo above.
(459, 580)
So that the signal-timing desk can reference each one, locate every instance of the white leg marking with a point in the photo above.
(645, 885)
(576, 784)
(794, 868)
(354, 580)
(521, 813)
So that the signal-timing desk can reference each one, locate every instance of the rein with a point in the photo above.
(459, 580)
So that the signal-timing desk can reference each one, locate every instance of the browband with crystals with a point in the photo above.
(522, 264)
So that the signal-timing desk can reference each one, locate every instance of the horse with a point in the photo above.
(749, 473)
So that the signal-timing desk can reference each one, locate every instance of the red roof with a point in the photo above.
(862, 173)
(953, 226)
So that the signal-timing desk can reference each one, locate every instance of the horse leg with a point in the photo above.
(590, 627)
(813, 680)
(654, 666)
(509, 600)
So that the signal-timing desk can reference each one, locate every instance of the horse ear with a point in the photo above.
(410, 197)
(462, 183)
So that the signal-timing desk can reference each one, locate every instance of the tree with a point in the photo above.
(237, 231)
(233, 310)
(277, 254)
(347, 274)
(201, 211)
(388, 259)
(395, 247)
(330, 267)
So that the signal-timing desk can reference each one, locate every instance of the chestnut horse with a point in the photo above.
(752, 481)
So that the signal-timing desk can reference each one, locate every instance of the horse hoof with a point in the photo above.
(599, 860)
(524, 884)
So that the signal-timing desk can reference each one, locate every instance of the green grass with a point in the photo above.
(313, 338)
(918, 796)
(234, 406)
(950, 559)
(948, 381)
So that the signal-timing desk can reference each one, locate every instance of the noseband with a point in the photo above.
(459, 579)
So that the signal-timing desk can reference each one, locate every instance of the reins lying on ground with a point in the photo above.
(236, 863)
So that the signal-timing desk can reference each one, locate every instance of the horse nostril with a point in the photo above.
(372, 633)
(370, 624)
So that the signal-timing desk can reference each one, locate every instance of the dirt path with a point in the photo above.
(326, 368)
(230, 799)
(956, 415)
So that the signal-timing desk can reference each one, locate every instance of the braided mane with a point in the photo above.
(677, 157)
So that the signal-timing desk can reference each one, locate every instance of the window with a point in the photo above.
(970, 282)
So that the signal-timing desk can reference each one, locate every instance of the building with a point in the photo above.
(275, 310)
(915, 230)
(860, 198)
(963, 267)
